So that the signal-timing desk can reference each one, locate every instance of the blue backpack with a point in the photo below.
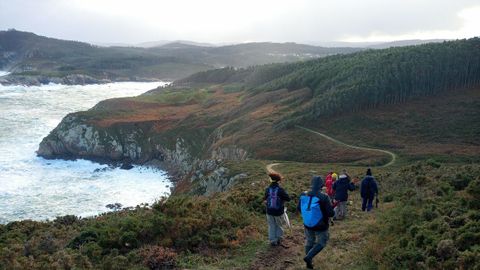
(273, 202)
(311, 212)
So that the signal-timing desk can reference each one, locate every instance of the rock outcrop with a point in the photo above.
(76, 137)
(73, 79)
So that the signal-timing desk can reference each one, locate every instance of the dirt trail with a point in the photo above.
(284, 256)
(343, 251)
(270, 167)
(391, 154)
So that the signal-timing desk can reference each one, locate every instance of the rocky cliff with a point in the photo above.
(138, 143)
(71, 79)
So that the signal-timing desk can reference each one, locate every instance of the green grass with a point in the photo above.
(176, 96)
(238, 258)
(228, 229)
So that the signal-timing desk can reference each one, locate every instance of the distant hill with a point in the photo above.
(346, 83)
(218, 132)
(378, 44)
(29, 56)
(234, 113)
(401, 43)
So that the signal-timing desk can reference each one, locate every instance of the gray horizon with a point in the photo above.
(220, 22)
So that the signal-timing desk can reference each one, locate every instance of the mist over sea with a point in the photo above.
(34, 188)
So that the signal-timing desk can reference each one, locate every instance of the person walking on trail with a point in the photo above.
(368, 191)
(316, 211)
(341, 188)
(275, 197)
(329, 180)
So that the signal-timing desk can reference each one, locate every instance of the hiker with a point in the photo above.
(316, 211)
(341, 188)
(275, 197)
(329, 180)
(368, 191)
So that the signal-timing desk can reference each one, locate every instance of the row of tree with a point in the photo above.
(363, 80)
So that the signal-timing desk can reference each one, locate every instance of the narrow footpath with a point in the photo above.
(348, 238)
(345, 248)
(391, 154)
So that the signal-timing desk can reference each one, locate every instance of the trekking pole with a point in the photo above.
(286, 219)
(376, 202)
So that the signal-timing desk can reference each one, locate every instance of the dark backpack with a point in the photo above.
(368, 187)
(274, 201)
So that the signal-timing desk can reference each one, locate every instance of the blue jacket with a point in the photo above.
(325, 205)
(341, 187)
(283, 196)
(368, 187)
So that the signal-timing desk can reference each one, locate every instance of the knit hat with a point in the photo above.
(317, 184)
(369, 172)
(334, 176)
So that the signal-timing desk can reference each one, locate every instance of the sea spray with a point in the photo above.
(35, 188)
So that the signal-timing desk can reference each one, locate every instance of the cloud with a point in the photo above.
(238, 21)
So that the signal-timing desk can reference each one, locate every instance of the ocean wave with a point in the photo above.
(38, 189)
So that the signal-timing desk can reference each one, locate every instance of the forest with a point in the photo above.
(362, 80)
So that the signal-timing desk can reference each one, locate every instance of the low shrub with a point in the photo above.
(157, 257)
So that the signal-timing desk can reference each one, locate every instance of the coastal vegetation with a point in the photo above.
(363, 80)
(419, 102)
(428, 218)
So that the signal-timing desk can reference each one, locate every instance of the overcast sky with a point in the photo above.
(218, 21)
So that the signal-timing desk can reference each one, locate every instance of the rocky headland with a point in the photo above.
(188, 155)
(71, 79)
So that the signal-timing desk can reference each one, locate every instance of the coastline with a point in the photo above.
(72, 79)
(40, 189)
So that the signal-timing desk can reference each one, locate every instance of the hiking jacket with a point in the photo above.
(329, 185)
(341, 188)
(325, 205)
(282, 194)
(368, 187)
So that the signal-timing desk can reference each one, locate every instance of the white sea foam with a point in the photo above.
(4, 73)
(35, 188)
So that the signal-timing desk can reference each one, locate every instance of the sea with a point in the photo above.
(38, 189)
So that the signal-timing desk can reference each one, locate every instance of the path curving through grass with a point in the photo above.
(270, 167)
(391, 154)
(346, 236)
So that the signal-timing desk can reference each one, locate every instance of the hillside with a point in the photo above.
(427, 218)
(36, 59)
(365, 80)
(217, 131)
(418, 96)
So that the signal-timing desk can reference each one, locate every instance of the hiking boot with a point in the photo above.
(308, 262)
(273, 244)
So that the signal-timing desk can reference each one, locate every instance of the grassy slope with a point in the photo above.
(244, 121)
(415, 227)
(390, 237)
(235, 232)
(444, 127)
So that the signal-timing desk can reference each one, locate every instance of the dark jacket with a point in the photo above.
(325, 205)
(282, 194)
(341, 187)
(368, 187)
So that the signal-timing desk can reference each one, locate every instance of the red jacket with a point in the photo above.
(329, 184)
